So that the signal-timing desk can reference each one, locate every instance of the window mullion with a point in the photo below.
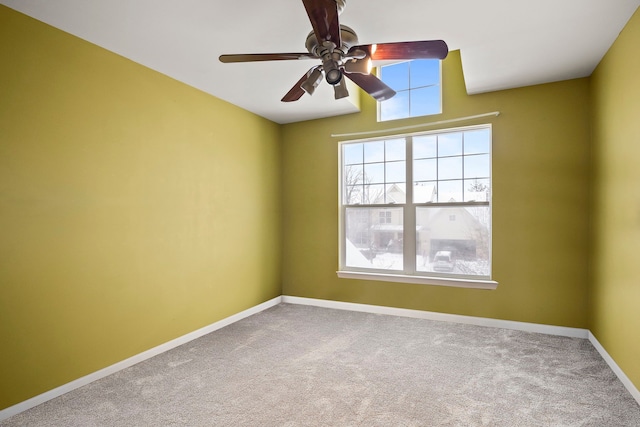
(409, 228)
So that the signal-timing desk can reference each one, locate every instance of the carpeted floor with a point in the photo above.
(306, 366)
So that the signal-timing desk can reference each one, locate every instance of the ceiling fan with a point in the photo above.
(337, 47)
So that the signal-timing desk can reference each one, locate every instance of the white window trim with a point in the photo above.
(421, 279)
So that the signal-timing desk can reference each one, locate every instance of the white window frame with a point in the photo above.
(410, 274)
(379, 103)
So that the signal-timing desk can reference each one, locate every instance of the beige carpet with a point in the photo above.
(306, 366)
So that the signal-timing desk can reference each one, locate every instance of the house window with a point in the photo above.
(417, 86)
(385, 217)
(438, 226)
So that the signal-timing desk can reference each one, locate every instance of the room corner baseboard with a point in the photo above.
(455, 318)
(615, 368)
(66, 388)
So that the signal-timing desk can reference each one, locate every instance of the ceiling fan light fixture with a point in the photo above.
(331, 62)
(312, 82)
(340, 89)
(333, 75)
(361, 66)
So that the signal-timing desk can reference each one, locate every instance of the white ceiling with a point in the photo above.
(503, 43)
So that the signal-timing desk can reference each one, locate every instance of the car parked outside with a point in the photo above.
(443, 261)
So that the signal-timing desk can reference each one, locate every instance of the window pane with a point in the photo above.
(425, 147)
(396, 171)
(395, 149)
(353, 194)
(450, 168)
(425, 101)
(425, 170)
(396, 107)
(374, 173)
(418, 86)
(477, 141)
(476, 190)
(450, 191)
(371, 243)
(424, 192)
(353, 174)
(374, 194)
(352, 180)
(396, 193)
(352, 153)
(374, 152)
(450, 144)
(425, 72)
(396, 76)
(476, 166)
(454, 240)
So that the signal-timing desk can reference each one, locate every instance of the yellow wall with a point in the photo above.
(615, 294)
(133, 209)
(540, 220)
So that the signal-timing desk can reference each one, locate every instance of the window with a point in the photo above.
(385, 217)
(417, 86)
(418, 207)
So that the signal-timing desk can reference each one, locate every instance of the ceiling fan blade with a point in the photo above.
(372, 85)
(296, 91)
(253, 57)
(323, 15)
(428, 49)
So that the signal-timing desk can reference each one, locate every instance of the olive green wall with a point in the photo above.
(133, 209)
(615, 293)
(540, 202)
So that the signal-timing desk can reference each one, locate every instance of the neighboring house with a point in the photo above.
(452, 229)
(457, 229)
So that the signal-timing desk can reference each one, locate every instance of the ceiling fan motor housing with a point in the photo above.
(332, 56)
(349, 39)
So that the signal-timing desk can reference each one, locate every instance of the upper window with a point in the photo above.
(418, 205)
(417, 86)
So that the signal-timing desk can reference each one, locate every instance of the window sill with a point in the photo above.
(420, 280)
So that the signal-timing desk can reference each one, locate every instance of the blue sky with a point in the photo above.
(417, 84)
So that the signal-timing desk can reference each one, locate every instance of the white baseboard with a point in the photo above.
(455, 318)
(615, 368)
(66, 388)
